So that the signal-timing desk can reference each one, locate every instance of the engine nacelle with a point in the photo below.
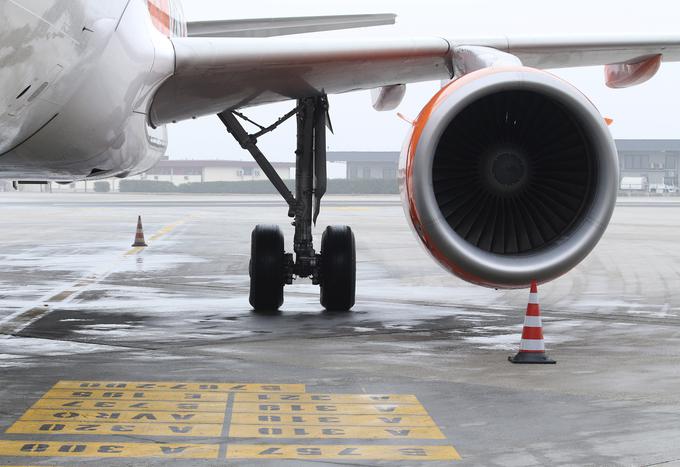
(509, 175)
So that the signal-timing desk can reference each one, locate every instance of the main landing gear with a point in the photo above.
(271, 268)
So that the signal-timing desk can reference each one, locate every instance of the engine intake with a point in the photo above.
(509, 176)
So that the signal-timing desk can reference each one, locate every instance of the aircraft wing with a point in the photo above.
(270, 27)
(215, 74)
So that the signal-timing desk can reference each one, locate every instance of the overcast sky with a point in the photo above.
(647, 111)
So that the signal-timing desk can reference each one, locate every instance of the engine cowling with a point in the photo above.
(509, 175)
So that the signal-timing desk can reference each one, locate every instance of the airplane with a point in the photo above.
(508, 175)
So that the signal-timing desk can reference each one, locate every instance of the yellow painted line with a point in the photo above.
(331, 420)
(118, 416)
(167, 229)
(180, 386)
(345, 432)
(160, 233)
(134, 251)
(60, 297)
(20, 320)
(76, 404)
(107, 450)
(85, 282)
(99, 394)
(340, 409)
(342, 452)
(130, 429)
(330, 398)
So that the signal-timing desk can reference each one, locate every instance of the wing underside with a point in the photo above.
(215, 74)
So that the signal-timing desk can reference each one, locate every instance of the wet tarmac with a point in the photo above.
(111, 355)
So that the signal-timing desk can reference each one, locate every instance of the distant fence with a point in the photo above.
(146, 186)
(259, 187)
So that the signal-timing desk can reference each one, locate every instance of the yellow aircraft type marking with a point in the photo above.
(329, 398)
(349, 432)
(277, 414)
(179, 386)
(331, 420)
(149, 429)
(113, 405)
(107, 450)
(342, 452)
(106, 394)
(343, 409)
(117, 417)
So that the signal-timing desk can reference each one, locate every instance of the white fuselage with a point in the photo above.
(76, 80)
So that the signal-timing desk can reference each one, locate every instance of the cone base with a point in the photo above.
(532, 358)
(139, 245)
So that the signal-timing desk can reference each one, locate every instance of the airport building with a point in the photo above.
(647, 166)
(368, 165)
(180, 172)
(197, 171)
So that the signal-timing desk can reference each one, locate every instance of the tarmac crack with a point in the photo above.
(486, 311)
(662, 462)
(79, 341)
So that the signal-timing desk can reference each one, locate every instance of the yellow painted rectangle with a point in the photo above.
(122, 416)
(126, 429)
(331, 420)
(340, 409)
(344, 432)
(179, 386)
(107, 450)
(329, 398)
(110, 405)
(99, 394)
(342, 452)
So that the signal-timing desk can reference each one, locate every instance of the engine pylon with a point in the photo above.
(140, 242)
(532, 347)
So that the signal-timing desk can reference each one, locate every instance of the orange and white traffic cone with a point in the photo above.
(532, 348)
(139, 236)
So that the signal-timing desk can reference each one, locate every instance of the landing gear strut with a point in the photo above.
(334, 269)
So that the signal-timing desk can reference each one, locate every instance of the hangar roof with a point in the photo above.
(648, 145)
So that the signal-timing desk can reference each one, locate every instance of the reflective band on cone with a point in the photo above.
(139, 236)
(532, 347)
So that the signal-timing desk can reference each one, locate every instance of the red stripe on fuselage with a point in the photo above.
(160, 14)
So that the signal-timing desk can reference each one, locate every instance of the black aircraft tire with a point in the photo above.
(266, 268)
(338, 268)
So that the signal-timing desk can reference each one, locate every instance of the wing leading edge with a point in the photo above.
(270, 27)
(215, 74)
